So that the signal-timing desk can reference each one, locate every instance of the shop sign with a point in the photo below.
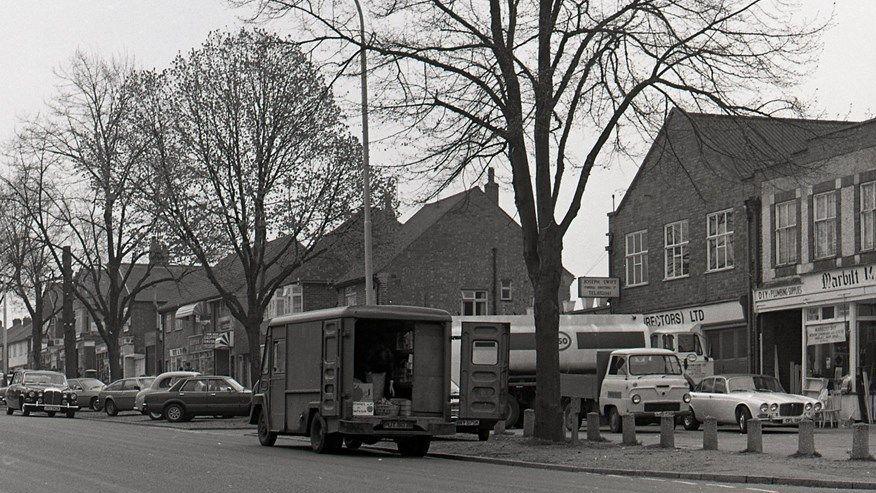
(598, 287)
(846, 278)
(209, 338)
(775, 293)
(707, 314)
(825, 333)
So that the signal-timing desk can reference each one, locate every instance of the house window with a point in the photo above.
(719, 240)
(505, 290)
(786, 232)
(636, 258)
(474, 302)
(868, 216)
(350, 295)
(824, 217)
(287, 300)
(677, 255)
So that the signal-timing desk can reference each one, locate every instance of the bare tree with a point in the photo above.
(28, 267)
(553, 87)
(89, 132)
(250, 148)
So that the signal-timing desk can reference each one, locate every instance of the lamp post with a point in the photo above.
(366, 166)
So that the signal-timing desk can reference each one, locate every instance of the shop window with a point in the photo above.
(505, 290)
(636, 258)
(824, 217)
(786, 233)
(719, 240)
(677, 254)
(868, 216)
(474, 302)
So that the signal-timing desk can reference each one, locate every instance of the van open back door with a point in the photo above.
(483, 370)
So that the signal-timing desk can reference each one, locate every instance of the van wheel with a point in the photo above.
(614, 421)
(483, 434)
(414, 446)
(512, 412)
(321, 441)
(266, 437)
(110, 408)
(352, 443)
(690, 422)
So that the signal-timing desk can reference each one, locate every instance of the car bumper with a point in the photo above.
(47, 407)
(782, 420)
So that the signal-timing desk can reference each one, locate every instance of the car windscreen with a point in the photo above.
(654, 364)
(687, 343)
(90, 383)
(44, 379)
(765, 383)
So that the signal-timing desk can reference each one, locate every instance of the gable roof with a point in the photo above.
(18, 333)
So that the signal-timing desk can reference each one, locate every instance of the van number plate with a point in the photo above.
(398, 425)
(468, 422)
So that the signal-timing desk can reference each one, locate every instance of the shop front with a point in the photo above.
(829, 320)
(723, 324)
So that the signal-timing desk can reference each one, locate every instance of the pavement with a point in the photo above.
(59, 454)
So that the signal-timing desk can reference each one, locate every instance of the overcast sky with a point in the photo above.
(37, 37)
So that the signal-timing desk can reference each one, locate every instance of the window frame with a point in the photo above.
(475, 301)
(829, 221)
(793, 229)
(683, 247)
(502, 290)
(631, 256)
(869, 210)
(727, 236)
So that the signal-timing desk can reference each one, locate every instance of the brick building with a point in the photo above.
(683, 240)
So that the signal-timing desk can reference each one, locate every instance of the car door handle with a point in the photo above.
(213, 394)
(182, 393)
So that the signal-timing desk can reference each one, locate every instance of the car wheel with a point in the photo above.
(352, 443)
(25, 412)
(742, 417)
(175, 413)
(614, 421)
(110, 408)
(94, 404)
(321, 441)
(266, 437)
(51, 414)
(690, 422)
(414, 446)
(9, 411)
(155, 415)
(70, 414)
(483, 434)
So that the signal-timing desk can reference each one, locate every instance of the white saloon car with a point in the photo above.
(734, 399)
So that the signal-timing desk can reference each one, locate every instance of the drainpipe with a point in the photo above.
(495, 284)
(752, 251)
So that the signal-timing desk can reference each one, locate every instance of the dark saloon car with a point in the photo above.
(41, 391)
(87, 389)
(200, 396)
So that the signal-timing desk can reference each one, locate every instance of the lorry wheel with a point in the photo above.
(352, 443)
(690, 422)
(614, 421)
(266, 437)
(483, 434)
(568, 416)
(512, 412)
(321, 441)
(414, 446)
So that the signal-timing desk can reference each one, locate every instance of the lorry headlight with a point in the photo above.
(764, 407)
(636, 398)
(808, 406)
(686, 398)
(774, 407)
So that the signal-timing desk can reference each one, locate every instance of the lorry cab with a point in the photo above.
(689, 343)
(645, 383)
(361, 374)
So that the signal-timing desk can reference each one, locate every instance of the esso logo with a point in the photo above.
(565, 341)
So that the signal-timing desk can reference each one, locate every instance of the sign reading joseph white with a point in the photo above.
(598, 287)
(707, 314)
(825, 333)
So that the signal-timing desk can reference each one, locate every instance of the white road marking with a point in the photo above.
(764, 491)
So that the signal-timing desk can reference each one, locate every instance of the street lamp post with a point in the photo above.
(366, 167)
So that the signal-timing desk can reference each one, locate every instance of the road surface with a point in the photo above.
(38, 453)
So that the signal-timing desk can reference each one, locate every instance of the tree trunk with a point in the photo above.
(254, 340)
(546, 286)
(71, 355)
(36, 332)
(113, 354)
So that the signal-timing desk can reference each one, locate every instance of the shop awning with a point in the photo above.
(187, 311)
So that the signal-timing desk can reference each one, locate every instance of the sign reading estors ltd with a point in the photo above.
(598, 287)
(707, 314)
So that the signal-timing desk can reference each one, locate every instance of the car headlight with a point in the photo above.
(31, 394)
(817, 406)
(636, 398)
(808, 406)
(73, 396)
(686, 398)
(764, 407)
(774, 407)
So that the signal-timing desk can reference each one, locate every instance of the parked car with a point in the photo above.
(3, 385)
(736, 398)
(120, 395)
(87, 390)
(42, 391)
(163, 381)
(200, 396)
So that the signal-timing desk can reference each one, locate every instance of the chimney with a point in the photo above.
(16, 322)
(158, 253)
(492, 188)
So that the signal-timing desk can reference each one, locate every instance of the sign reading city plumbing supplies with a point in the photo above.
(598, 287)
(825, 333)
(811, 284)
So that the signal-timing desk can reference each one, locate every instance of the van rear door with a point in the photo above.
(483, 370)
(331, 368)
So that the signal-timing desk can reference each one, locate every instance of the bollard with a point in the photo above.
(593, 427)
(575, 429)
(861, 442)
(528, 422)
(806, 439)
(628, 426)
(499, 429)
(755, 436)
(710, 433)
(667, 432)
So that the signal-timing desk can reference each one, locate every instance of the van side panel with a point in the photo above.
(304, 350)
(430, 386)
